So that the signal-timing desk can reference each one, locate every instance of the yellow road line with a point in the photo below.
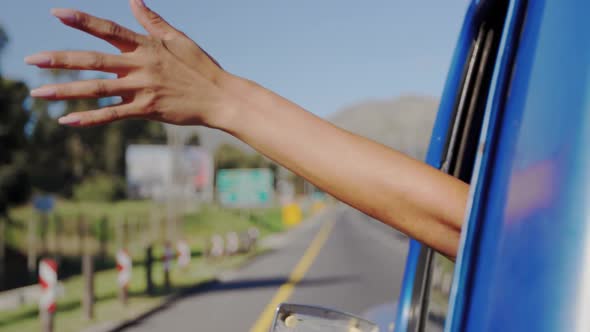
(285, 291)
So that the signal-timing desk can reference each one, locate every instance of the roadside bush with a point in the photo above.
(100, 188)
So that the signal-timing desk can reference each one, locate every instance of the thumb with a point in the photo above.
(153, 23)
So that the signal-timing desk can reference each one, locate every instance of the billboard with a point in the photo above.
(245, 188)
(156, 171)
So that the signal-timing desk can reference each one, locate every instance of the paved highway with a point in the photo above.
(344, 261)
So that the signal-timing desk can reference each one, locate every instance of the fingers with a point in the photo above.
(85, 89)
(82, 60)
(98, 117)
(153, 23)
(115, 34)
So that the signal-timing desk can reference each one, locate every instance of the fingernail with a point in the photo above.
(69, 120)
(140, 3)
(43, 92)
(66, 15)
(38, 60)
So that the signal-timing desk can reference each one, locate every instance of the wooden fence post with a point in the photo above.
(149, 260)
(87, 269)
(167, 262)
(119, 233)
(32, 247)
(88, 298)
(138, 229)
(126, 233)
(81, 237)
(103, 237)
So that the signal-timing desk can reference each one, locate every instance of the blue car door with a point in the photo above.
(526, 252)
(481, 56)
(525, 246)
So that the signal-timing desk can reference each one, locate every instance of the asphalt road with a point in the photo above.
(358, 267)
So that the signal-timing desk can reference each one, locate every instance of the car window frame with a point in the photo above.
(462, 141)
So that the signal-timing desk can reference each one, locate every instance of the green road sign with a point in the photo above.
(245, 188)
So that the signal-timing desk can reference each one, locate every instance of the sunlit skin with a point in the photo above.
(165, 76)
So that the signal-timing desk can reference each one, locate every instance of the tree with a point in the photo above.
(14, 184)
(228, 156)
(14, 180)
(194, 140)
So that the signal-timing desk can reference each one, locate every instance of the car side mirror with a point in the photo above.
(304, 318)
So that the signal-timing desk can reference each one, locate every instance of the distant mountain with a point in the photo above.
(404, 123)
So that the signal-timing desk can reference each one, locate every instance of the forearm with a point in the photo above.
(396, 189)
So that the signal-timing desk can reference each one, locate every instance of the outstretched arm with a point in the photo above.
(398, 190)
(164, 76)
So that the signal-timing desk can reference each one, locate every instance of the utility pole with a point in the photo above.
(175, 202)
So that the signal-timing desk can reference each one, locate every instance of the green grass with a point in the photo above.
(196, 228)
(70, 317)
(213, 220)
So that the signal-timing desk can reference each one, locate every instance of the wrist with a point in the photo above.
(241, 99)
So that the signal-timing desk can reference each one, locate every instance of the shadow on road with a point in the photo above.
(220, 286)
(238, 284)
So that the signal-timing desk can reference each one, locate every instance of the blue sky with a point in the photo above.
(322, 54)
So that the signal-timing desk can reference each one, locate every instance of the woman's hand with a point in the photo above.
(162, 76)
